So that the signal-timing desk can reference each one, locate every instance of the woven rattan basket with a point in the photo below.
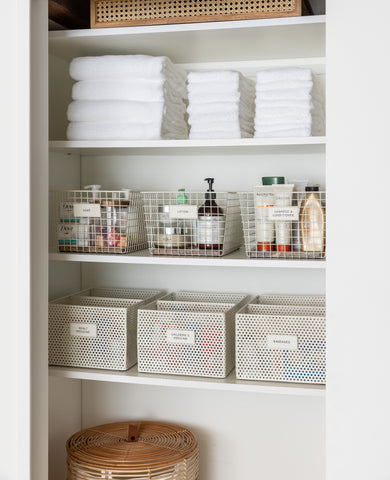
(122, 13)
(141, 450)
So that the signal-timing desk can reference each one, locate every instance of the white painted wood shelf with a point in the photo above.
(230, 383)
(180, 147)
(143, 257)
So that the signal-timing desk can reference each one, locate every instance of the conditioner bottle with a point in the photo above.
(312, 221)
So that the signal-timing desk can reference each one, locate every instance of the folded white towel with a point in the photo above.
(283, 74)
(293, 132)
(124, 66)
(214, 76)
(123, 111)
(296, 103)
(285, 94)
(211, 125)
(122, 131)
(215, 134)
(220, 117)
(139, 90)
(222, 97)
(281, 126)
(281, 112)
(218, 108)
(220, 87)
(284, 85)
(297, 120)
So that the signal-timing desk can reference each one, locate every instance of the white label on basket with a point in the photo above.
(183, 211)
(283, 213)
(83, 330)
(86, 210)
(282, 342)
(181, 336)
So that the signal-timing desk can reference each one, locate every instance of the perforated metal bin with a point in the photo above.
(189, 333)
(285, 342)
(97, 328)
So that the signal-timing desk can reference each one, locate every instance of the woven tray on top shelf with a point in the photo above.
(139, 450)
(126, 13)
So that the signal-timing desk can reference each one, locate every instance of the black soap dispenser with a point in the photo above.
(211, 221)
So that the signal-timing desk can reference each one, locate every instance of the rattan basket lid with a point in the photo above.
(131, 445)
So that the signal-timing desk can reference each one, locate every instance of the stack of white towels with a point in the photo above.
(220, 104)
(289, 103)
(127, 97)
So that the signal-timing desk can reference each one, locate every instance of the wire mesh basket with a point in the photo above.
(285, 343)
(189, 333)
(142, 450)
(98, 221)
(289, 231)
(97, 328)
(178, 228)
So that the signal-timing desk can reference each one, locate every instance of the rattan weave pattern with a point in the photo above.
(162, 451)
(142, 12)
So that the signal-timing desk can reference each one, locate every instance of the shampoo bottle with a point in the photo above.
(211, 221)
(312, 222)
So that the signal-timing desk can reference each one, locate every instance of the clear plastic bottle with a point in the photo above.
(312, 221)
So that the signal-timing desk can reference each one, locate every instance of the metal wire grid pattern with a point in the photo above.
(207, 328)
(257, 359)
(176, 228)
(111, 11)
(303, 237)
(106, 328)
(99, 221)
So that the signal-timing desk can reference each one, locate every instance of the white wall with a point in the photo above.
(358, 153)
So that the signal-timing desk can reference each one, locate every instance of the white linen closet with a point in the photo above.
(245, 429)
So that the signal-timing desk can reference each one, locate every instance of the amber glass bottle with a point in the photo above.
(211, 221)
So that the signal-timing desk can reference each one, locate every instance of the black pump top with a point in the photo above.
(210, 193)
(312, 188)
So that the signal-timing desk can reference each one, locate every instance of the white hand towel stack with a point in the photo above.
(127, 97)
(288, 103)
(220, 104)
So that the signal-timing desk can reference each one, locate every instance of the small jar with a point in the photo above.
(163, 216)
(171, 237)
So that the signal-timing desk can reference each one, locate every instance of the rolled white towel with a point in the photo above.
(285, 94)
(123, 111)
(122, 131)
(281, 112)
(215, 134)
(282, 126)
(284, 74)
(293, 132)
(124, 66)
(113, 89)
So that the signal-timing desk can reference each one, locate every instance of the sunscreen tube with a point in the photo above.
(265, 229)
(283, 198)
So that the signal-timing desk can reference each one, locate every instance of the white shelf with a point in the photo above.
(206, 42)
(230, 383)
(180, 147)
(234, 259)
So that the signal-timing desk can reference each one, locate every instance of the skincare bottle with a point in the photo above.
(95, 234)
(312, 221)
(211, 221)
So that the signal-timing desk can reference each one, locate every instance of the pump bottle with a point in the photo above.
(211, 221)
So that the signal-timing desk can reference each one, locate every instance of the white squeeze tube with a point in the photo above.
(283, 198)
(265, 229)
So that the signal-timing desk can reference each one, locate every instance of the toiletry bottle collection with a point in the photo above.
(283, 220)
(289, 220)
